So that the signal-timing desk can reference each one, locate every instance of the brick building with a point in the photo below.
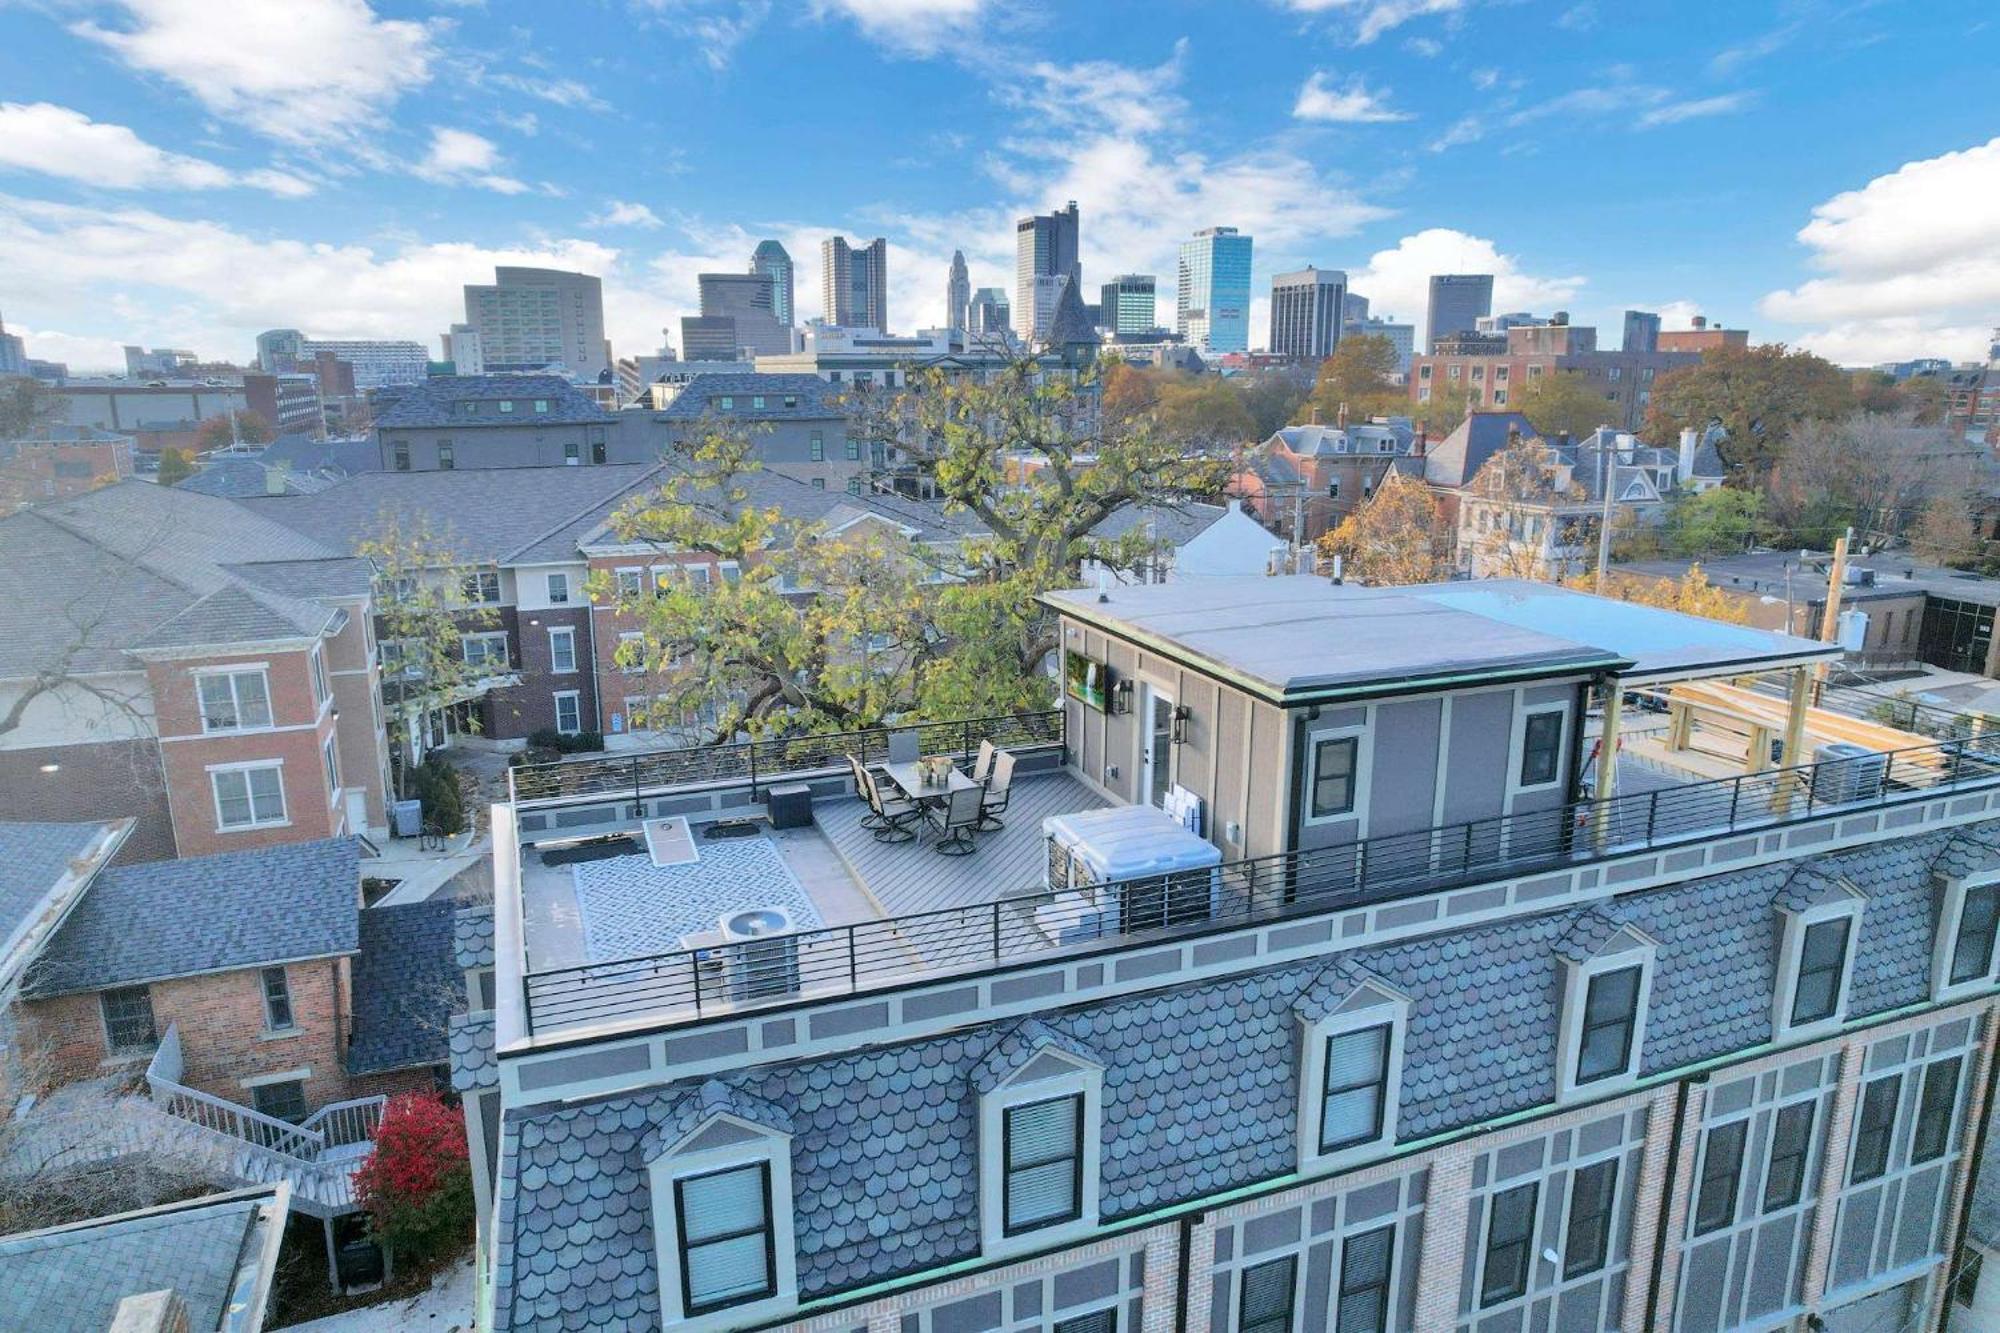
(208, 673)
(1319, 475)
(1702, 338)
(59, 462)
(1490, 376)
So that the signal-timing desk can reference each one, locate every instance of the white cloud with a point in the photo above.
(1352, 104)
(460, 157)
(715, 28)
(1908, 262)
(1372, 18)
(1424, 46)
(155, 279)
(911, 27)
(57, 141)
(1578, 18)
(622, 213)
(1465, 130)
(81, 354)
(1673, 113)
(1732, 58)
(1397, 282)
(1484, 79)
(303, 71)
(1098, 94)
(560, 92)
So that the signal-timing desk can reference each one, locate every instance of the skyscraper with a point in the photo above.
(1306, 313)
(1642, 331)
(1045, 246)
(1129, 303)
(1212, 304)
(854, 283)
(750, 300)
(957, 292)
(1457, 302)
(529, 318)
(280, 349)
(770, 258)
(988, 312)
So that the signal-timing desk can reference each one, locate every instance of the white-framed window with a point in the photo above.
(1507, 1251)
(330, 758)
(481, 587)
(1963, 953)
(722, 1224)
(317, 663)
(1350, 1070)
(562, 649)
(238, 700)
(276, 989)
(1039, 1148)
(569, 712)
(1605, 997)
(628, 580)
(631, 654)
(1337, 774)
(249, 795)
(558, 585)
(1544, 728)
(487, 651)
(1815, 964)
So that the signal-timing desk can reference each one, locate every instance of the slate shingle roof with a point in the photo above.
(472, 1062)
(70, 1279)
(438, 402)
(472, 936)
(162, 919)
(817, 400)
(1457, 458)
(407, 985)
(1200, 1088)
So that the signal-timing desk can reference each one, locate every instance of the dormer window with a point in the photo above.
(1963, 950)
(1820, 924)
(1351, 1055)
(1608, 966)
(720, 1170)
(1040, 1109)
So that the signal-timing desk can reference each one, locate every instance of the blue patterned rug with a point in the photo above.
(632, 908)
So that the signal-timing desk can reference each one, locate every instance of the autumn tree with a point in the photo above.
(1718, 521)
(416, 1183)
(174, 467)
(1562, 404)
(27, 407)
(1873, 472)
(1517, 505)
(250, 428)
(428, 599)
(1272, 397)
(1443, 412)
(1396, 537)
(1128, 391)
(1945, 533)
(1760, 395)
(1203, 412)
(1359, 376)
(1691, 593)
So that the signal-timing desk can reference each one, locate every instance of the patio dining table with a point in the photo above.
(910, 777)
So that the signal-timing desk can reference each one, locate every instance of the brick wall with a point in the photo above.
(222, 1029)
(110, 780)
(531, 706)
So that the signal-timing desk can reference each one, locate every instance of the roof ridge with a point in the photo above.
(598, 503)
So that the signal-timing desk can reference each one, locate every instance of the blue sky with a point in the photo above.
(188, 172)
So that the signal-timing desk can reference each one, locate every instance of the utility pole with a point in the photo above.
(1829, 623)
(1606, 471)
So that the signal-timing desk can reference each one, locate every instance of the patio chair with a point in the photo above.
(871, 820)
(897, 813)
(956, 820)
(983, 765)
(904, 747)
(999, 788)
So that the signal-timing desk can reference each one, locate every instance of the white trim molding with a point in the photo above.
(1840, 904)
(1626, 949)
(723, 1141)
(1344, 1002)
(1983, 890)
(1047, 1072)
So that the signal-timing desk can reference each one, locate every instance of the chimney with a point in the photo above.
(1700, 322)
(1342, 419)
(1685, 469)
(1314, 418)
(1419, 445)
(162, 1311)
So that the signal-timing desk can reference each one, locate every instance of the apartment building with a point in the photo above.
(531, 319)
(59, 461)
(1312, 477)
(496, 421)
(1304, 985)
(205, 673)
(796, 423)
(1492, 374)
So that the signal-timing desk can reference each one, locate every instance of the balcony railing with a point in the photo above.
(760, 761)
(682, 985)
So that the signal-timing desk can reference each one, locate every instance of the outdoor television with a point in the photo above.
(1086, 679)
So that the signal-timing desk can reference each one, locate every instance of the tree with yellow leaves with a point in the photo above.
(1396, 537)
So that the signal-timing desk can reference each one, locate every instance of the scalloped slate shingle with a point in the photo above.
(711, 1099)
(472, 1063)
(472, 936)
(1200, 1088)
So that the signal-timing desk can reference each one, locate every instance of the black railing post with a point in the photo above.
(853, 965)
(1652, 813)
(753, 772)
(694, 966)
(1735, 794)
(996, 930)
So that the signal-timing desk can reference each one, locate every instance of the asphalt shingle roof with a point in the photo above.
(1200, 1090)
(407, 985)
(33, 857)
(162, 919)
(817, 400)
(439, 401)
(71, 1279)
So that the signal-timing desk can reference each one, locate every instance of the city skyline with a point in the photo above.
(171, 180)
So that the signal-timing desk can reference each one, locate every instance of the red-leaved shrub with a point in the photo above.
(417, 1184)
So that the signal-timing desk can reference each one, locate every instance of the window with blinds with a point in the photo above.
(727, 1257)
(1363, 1304)
(1791, 1144)
(1610, 1012)
(1266, 1297)
(1042, 1163)
(1874, 1128)
(1097, 1321)
(1972, 950)
(1357, 1075)
(1816, 993)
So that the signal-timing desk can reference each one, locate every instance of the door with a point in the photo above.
(1156, 742)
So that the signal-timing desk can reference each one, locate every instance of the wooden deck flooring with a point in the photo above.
(911, 877)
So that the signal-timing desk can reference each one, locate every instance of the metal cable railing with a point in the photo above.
(760, 761)
(684, 984)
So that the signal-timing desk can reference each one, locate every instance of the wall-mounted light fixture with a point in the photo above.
(1180, 727)
(1121, 698)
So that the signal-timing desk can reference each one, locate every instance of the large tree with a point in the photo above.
(1691, 593)
(26, 407)
(1563, 404)
(1761, 396)
(1359, 378)
(1873, 472)
(250, 428)
(1396, 537)
(831, 630)
(1719, 521)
